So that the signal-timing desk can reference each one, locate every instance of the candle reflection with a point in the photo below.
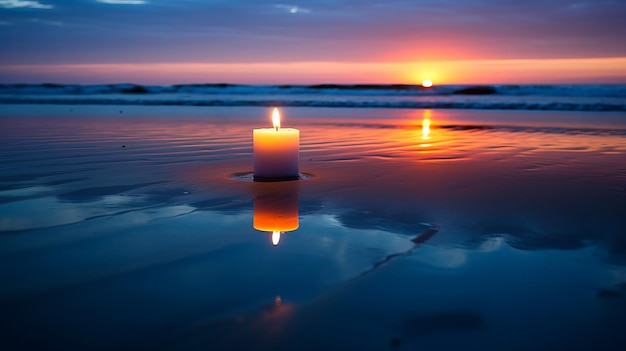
(276, 208)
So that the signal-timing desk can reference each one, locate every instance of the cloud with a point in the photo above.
(13, 4)
(292, 9)
(123, 2)
(41, 21)
(320, 31)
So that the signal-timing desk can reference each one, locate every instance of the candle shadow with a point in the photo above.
(249, 177)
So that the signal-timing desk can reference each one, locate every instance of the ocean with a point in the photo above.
(498, 97)
(456, 217)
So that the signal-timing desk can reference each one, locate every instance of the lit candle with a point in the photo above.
(276, 151)
(276, 208)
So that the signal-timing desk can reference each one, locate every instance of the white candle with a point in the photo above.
(276, 151)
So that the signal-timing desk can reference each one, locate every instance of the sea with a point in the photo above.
(457, 217)
(492, 97)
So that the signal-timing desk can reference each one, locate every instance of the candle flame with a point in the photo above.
(276, 118)
(275, 238)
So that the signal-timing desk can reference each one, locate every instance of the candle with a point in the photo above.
(276, 151)
(276, 208)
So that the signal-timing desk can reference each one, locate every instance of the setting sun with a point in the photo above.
(427, 83)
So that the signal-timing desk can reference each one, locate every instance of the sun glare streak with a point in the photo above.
(531, 71)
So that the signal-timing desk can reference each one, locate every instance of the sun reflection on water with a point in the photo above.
(426, 127)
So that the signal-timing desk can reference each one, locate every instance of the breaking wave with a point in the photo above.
(505, 97)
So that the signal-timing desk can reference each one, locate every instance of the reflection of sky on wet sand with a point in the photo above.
(117, 215)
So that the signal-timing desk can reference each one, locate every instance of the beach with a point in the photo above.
(130, 226)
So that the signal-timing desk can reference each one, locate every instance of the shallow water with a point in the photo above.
(128, 227)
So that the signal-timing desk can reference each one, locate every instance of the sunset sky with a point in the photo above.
(312, 41)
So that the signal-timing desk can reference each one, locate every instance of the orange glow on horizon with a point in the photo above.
(522, 71)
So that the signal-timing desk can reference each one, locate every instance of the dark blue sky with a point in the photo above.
(48, 32)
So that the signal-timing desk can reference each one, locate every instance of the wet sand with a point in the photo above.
(128, 227)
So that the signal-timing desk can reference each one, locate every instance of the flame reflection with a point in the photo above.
(275, 237)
